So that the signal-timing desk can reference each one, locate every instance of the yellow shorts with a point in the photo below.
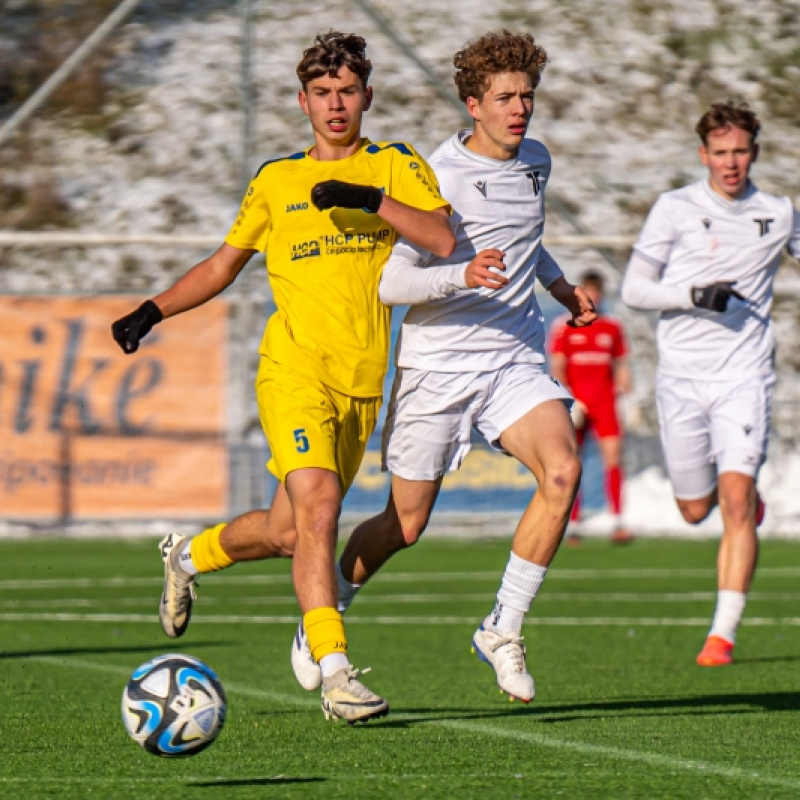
(308, 424)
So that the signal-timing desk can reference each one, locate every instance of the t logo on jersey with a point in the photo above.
(763, 226)
(481, 187)
(534, 176)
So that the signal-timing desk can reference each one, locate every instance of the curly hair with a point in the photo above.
(330, 52)
(493, 53)
(730, 114)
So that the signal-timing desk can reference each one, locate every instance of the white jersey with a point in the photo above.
(496, 204)
(694, 237)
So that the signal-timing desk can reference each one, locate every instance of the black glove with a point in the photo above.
(715, 296)
(131, 329)
(346, 195)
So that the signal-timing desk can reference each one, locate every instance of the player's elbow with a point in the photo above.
(444, 242)
(387, 296)
(628, 293)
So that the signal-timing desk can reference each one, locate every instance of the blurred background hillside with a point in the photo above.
(149, 136)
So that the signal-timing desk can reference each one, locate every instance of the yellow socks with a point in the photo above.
(206, 551)
(325, 632)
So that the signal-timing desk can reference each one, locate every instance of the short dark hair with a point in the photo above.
(730, 114)
(330, 52)
(594, 278)
(493, 53)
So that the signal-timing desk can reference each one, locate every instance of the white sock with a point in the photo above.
(185, 559)
(728, 615)
(521, 582)
(347, 590)
(332, 663)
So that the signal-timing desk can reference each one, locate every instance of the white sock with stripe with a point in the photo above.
(521, 582)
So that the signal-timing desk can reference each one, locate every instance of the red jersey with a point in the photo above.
(590, 354)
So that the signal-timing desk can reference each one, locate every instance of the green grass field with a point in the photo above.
(621, 709)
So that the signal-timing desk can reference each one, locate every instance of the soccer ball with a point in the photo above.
(174, 705)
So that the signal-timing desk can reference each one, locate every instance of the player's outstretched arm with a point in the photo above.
(408, 280)
(575, 300)
(429, 230)
(202, 282)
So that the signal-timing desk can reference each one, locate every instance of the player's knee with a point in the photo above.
(737, 507)
(409, 527)
(564, 477)
(318, 516)
(412, 528)
(694, 511)
(285, 543)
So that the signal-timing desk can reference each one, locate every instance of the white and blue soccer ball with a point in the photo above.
(174, 705)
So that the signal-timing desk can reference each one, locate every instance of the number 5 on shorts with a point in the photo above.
(301, 440)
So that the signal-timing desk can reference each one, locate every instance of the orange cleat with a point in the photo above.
(716, 652)
(621, 536)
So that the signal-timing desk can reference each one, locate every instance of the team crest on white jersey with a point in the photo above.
(763, 226)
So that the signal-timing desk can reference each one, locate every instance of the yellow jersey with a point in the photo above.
(324, 266)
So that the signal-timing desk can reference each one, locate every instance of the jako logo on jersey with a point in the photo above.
(296, 207)
(707, 224)
(305, 250)
(534, 176)
(481, 187)
(763, 226)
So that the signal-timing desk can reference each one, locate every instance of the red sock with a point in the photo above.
(614, 489)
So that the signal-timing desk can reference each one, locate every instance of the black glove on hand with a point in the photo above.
(131, 329)
(715, 296)
(346, 195)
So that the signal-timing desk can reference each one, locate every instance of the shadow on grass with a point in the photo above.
(87, 651)
(276, 781)
(767, 660)
(598, 709)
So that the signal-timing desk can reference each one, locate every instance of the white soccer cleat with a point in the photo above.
(175, 610)
(506, 655)
(306, 670)
(345, 697)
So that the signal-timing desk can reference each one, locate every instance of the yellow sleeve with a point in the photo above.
(413, 181)
(253, 224)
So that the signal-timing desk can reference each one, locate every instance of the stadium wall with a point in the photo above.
(94, 443)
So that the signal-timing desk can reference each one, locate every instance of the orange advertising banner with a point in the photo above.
(87, 432)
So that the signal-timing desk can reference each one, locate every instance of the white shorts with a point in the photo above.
(431, 414)
(711, 427)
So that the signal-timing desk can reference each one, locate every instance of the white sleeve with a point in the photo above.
(658, 232)
(642, 287)
(547, 270)
(409, 280)
(794, 239)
